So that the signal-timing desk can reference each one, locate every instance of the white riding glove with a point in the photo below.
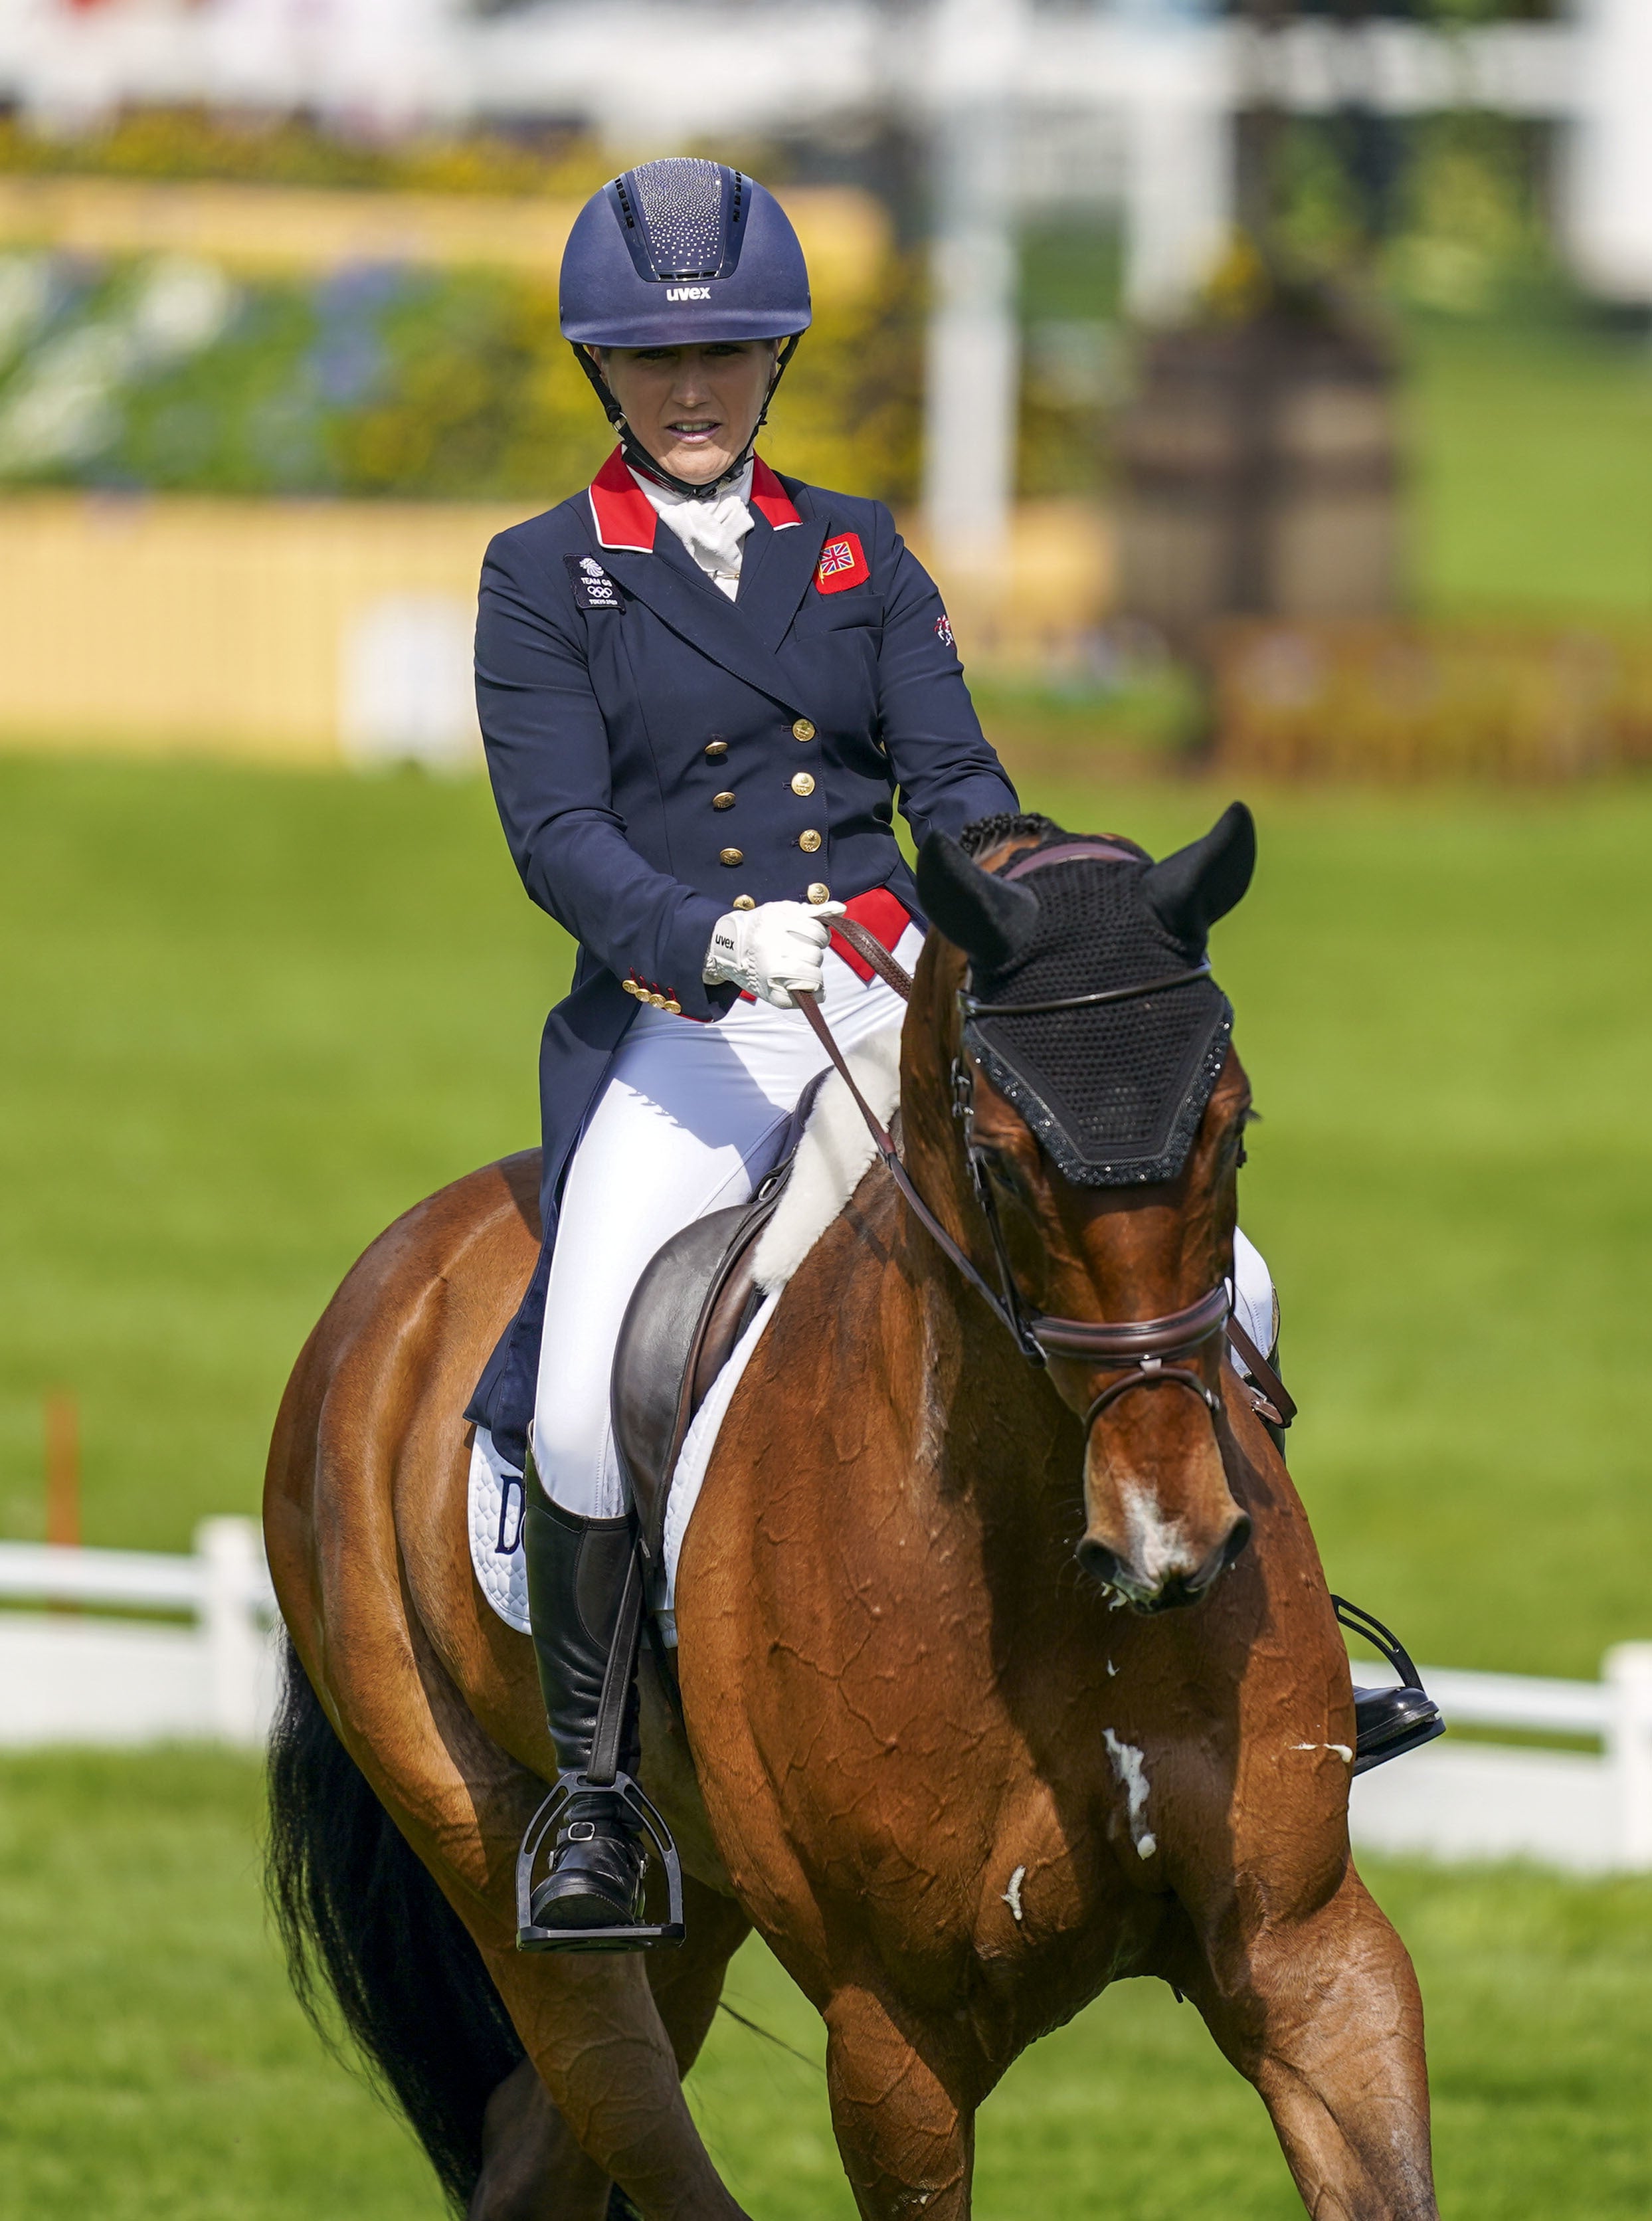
(773, 951)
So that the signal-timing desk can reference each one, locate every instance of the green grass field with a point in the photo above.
(153, 2067)
(1530, 468)
(250, 1018)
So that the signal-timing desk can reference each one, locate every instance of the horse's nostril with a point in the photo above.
(1098, 1562)
(1231, 1547)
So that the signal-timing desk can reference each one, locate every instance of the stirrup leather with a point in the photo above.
(1389, 1722)
(640, 1935)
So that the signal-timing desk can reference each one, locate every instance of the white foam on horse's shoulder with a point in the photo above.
(1131, 1768)
(1012, 1895)
(832, 1157)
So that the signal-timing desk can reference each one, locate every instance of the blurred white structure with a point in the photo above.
(1129, 104)
(406, 687)
(1483, 1800)
(75, 1678)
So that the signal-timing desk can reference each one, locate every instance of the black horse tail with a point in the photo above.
(359, 1915)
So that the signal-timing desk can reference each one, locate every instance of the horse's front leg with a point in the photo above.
(908, 2145)
(1322, 2012)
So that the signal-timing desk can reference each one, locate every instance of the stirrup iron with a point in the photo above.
(626, 1936)
(1394, 1720)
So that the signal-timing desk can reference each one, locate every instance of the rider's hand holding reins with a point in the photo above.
(774, 951)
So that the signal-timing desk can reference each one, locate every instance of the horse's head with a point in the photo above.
(1093, 1132)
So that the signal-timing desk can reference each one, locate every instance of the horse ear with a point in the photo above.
(988, 919)
(1188, 892)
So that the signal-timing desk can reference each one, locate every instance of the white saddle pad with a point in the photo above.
(496, 1498)
(835, 1152)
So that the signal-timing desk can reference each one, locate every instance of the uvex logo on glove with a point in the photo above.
(773, 949)
(842, 563)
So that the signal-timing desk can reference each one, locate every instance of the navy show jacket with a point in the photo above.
(660, 755)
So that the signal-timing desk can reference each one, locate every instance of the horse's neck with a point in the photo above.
(987, 1426)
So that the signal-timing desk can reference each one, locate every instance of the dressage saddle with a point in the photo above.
(692, 1303)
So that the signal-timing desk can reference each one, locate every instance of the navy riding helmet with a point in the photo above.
(681, 252)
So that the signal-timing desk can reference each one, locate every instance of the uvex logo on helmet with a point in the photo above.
(676, 234)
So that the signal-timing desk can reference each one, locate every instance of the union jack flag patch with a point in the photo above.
(943, 630)
(842, 563)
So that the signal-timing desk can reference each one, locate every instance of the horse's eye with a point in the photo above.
(1000, 1165)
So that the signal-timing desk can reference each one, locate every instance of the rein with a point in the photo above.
(1140, 1348)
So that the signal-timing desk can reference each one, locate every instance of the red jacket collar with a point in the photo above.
(620, 511)
(771, 496)
(624, 516)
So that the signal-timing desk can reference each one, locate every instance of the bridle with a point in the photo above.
(1146, 1352)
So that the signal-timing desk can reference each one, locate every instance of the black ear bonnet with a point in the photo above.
(1115, 1092)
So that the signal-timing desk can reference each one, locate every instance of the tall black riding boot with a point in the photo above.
(577, 1571)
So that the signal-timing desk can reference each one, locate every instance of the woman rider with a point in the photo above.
(700, 686)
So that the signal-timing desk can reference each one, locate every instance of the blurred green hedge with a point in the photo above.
(373, 380)
(380, 381)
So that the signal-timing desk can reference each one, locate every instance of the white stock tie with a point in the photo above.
(713, 532)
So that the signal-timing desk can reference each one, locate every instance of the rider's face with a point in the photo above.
(693, 408)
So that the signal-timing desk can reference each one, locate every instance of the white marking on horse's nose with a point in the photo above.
(1012, 1895)
(1157, 1547)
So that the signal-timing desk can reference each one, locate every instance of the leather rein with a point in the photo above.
(1144, 1352)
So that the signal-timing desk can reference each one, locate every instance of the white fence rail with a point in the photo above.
(95, 1678)
(1559, 1808)
(106, 1679)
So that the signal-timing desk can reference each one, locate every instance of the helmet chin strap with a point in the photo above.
(638, 456)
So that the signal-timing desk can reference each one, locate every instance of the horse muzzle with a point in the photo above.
(1155, 1572)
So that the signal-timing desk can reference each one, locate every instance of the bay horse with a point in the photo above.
(957, 1782)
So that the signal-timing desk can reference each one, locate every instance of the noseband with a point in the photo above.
(1146, 1352)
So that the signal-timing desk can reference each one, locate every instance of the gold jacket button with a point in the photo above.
(658, 1002)
(802, 730)
(745, 902)
(803, 782)
(676, 1009)
(731, 857)
(722, 801)
(716, 750)
(630, 986)
(819, 892)
(809, 841)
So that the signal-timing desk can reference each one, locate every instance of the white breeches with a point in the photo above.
(688, 1123)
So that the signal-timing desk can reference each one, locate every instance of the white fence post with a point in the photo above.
(235, 1640)
(1629, 1747)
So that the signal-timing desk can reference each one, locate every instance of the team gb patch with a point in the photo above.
(842, 563)
(593, 587)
